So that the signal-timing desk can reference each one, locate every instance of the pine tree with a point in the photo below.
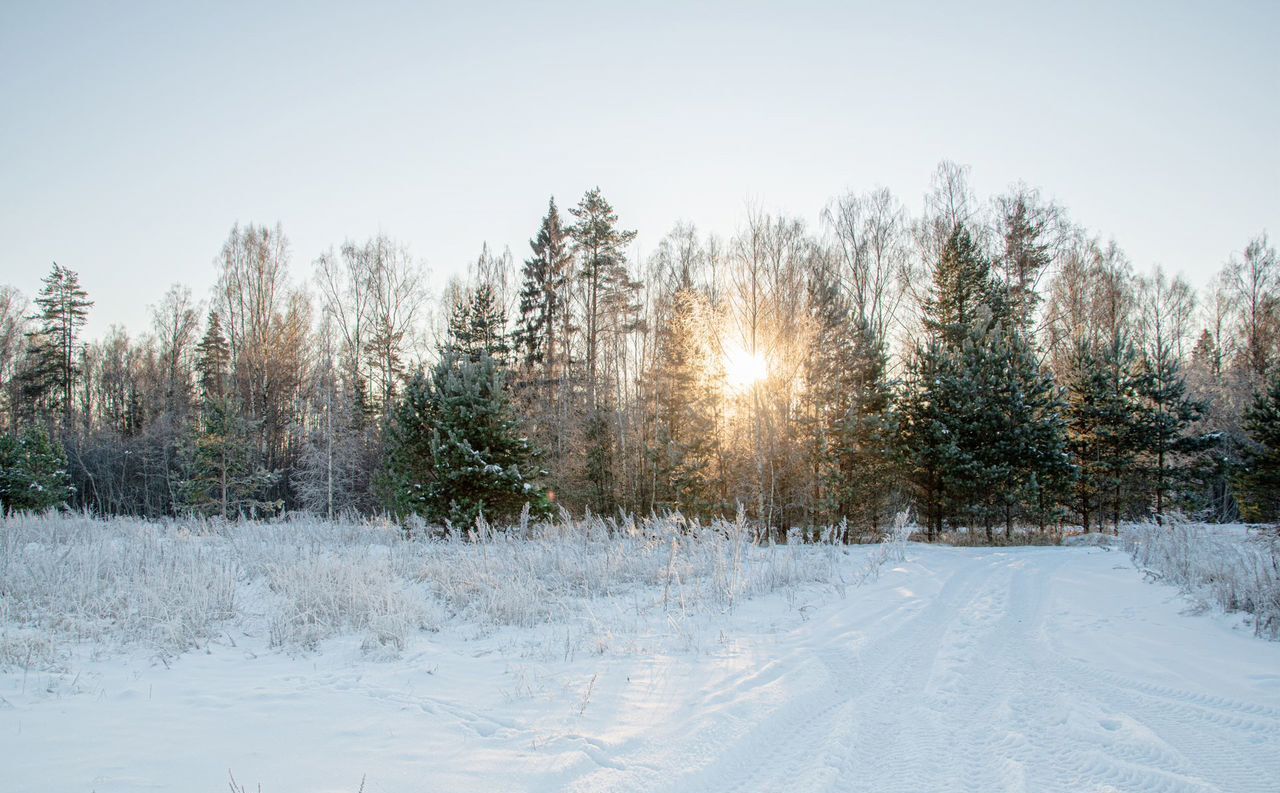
(1026, 256)
(608, 296)
(1025, 446)
(608, 290)
(454, 449)
(478, 326)
(64, 308)
(1103, 428)
(33, 472)
(930, 457)
(225, 476)
(1167, 415)
(1258, 483)
(963, 290)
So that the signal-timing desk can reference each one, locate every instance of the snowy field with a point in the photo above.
(307, 657)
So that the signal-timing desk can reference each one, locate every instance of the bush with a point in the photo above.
(1235, 569)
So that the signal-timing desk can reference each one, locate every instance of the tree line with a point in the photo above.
(988, 364)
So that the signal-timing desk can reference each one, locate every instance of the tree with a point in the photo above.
(1258, 483)
(610, 311)
(1103, 427)
(930, 456)
(332, 473)
(1022, 440)
(1167, 413)
(546, 382)
(963, 290)
(13, 326)
(33, 472)
(213, 357)
(454, 449)
(684, 395)
(859, 474)
(64, 308)
(478, 326)
(226, 476)
(1255, 285)
(608, 292)
(542, 329)
(1025, 225)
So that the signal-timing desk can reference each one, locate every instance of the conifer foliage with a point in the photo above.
(1259, 481)
(988, 366)
(455, 450)
(33, 472)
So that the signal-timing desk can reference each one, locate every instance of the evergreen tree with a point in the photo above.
(33, 472)
(1258, 483)
(454, 449)
(213, 357)
(930, 457)
(848, 426)
(226, 477)
(963, 290)
(546, 383)
(860, 478)
(64, 308)
(608, 296)
(608, 290)
(1022, 440)
(1167, 414)
(478, 326)
(541, 335)
(683, 449)
(1026, 257)
(1103, 428)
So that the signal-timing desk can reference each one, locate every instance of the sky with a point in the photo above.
(133, 135)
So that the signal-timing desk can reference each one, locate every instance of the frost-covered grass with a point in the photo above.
(177, 585)
(1232, 567)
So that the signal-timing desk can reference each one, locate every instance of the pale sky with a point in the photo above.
(133, 135)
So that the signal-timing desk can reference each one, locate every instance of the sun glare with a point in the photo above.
(743, 369)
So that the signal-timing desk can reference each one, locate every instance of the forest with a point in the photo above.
(982, 362)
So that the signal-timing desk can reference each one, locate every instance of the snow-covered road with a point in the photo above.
(1033, 669)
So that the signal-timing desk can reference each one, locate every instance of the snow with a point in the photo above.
(952, 669)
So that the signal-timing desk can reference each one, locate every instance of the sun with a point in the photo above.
(743, 369)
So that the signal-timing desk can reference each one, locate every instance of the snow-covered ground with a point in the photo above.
(710, 667)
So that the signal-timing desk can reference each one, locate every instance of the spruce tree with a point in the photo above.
(478, 326)
(541, 332)
(847, 422)
(1025, 452)
(213, 357)
(454, 445)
